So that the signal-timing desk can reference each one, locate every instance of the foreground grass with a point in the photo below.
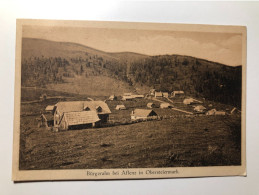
(198, 141)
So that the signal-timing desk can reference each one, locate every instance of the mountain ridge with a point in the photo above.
(48, 62)
(122, 52)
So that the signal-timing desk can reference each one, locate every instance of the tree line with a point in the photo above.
(196, 77)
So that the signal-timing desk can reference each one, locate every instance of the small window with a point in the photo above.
(99, 109)
(87, 109)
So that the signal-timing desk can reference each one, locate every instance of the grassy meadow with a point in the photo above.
(179, 141)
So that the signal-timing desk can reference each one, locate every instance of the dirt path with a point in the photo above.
(181, 110)
(49, 97)
(169, 100)
(157, 100)
(177, 109)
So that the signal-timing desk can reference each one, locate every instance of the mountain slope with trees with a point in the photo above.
(48, 62)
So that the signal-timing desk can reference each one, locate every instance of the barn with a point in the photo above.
(74, 120)
(211, 112)
(177, 93)
(50, 108)
(127, 98)
(138, 96)
(199, 108)
(150, 105)
(120, 107)
(165, 94)
(215, 112)
(188, 101)
(158, 94)
(143, 114)
(74, 113)
(220, 113)
(165, 105)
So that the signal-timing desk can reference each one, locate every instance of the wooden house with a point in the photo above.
(50, 108)
(73, 113)
(138, 96)
(165, 94)
(120, 107)
(188, 101)
(177, 93)
(143, 114)
(83, 119)
(127, 98)
(215, 112)
(158, 94)
(165, 105)
(150, 105)
(199, 108)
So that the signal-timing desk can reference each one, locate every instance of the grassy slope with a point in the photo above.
(92, 86)
(165, 143)
(201, 141)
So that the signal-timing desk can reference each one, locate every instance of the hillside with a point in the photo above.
(197, 77)
(76, 68)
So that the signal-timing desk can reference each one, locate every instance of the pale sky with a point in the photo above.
(224, 48)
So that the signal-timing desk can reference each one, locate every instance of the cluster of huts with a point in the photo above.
(82, 114)
(126, 97)
(200, 108)
(166, 94)
(152, 92)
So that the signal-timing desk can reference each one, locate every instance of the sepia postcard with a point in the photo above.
(121, 100)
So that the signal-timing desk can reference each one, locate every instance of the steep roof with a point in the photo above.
(77, 106)
(78, 118)
(211, 112)
(49, 108)
(165, 105)
(143, 112)
(93, 105)
(178, 92)
(120, 106)
(127, 97)
(137, 96)
(188, 100)
(70, 106)
(200, 107)
(112, 97)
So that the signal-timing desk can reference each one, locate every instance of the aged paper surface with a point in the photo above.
(119, 100)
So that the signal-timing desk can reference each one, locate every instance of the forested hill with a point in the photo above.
(195, 76)
(47, 62)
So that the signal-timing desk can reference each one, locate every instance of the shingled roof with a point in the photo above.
(74, 106)
(93, 105)
(78, 118)
(77, 106)
(144, 113)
